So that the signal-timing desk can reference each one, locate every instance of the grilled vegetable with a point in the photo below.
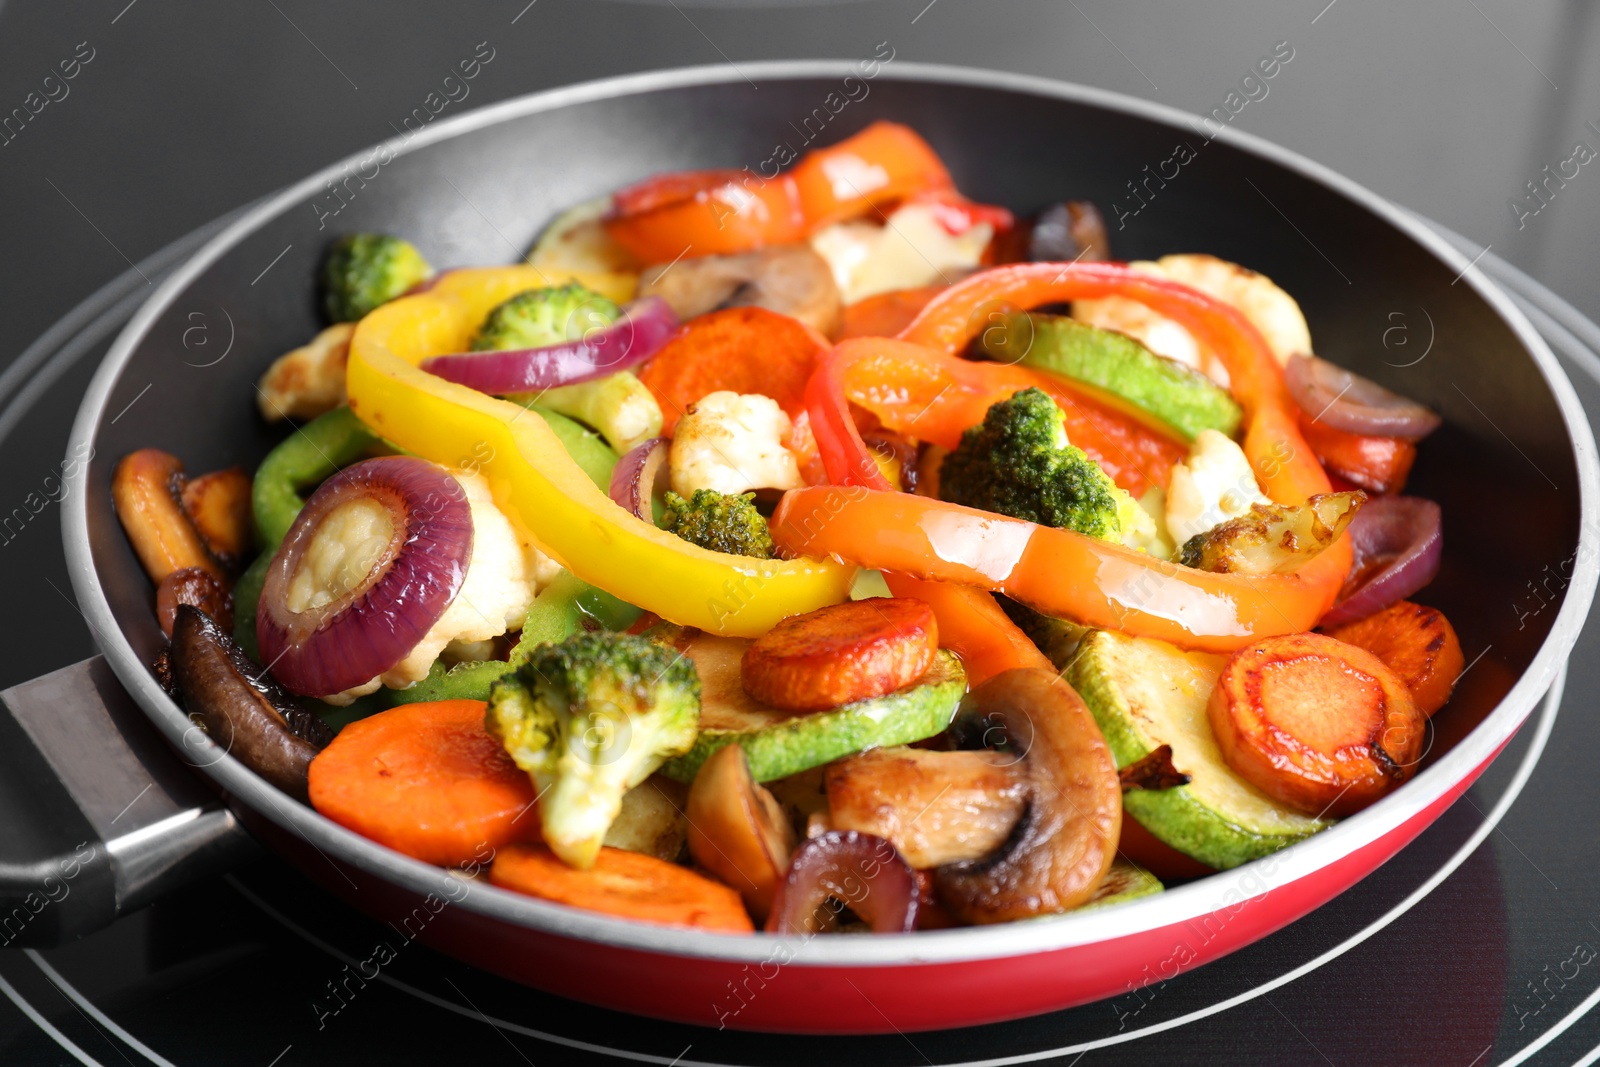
(791, 280)
(652, 819)
(218, 504)
(1318, 724)
(739, 350)
(844, 869)
(840, 654)
(589, 719)
(737, 831)
(1146, 693)
(541, 317)
(197, 588)
(719, 521)
(364, 270)
(935, 807)
(1018, 462)
(779, 743)
(240, 707)
(146, 490)
(427, 780)
(1272, 538)
(628, 884)
(1058, 854)
(1415, 642)
(1116, 368)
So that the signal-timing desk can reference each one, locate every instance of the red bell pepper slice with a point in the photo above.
(1376, 464)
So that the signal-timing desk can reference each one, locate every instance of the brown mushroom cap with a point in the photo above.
(1063, 844)
(243, 709)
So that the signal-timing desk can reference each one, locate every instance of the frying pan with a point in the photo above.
(103, 814)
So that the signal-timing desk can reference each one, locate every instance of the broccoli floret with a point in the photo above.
(1018, 462)
(619, 406)
(364, 270)
(719, 521)
(588, 719)
(539, 318)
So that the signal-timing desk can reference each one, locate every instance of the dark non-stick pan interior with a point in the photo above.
(1502, 467)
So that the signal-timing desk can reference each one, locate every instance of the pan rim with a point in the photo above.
(1175, 906)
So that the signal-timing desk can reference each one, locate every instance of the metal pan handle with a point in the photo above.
(98, 815)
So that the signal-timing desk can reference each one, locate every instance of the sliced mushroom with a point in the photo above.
(199, 589)
(307, 381)
(791, 279)
(240, 707)
(652, 819)
(1062, 846)
(1069, 232)
(934, 807)
(218, 504)
(737, 831)
(146, 490)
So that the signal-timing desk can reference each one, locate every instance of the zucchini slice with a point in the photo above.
(1145, 693)
(780, 743)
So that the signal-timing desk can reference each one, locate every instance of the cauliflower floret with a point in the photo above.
(733, 443)
(1269, 309)
(1146, 530)
(1213, 485)
(911, 249)
(493, 600)
(308, 381)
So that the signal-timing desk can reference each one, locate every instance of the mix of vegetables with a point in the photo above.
(826, 552)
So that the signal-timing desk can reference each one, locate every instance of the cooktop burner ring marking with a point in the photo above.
(72, 994)
(66, 1043)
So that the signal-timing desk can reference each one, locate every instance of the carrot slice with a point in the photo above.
(839, 654)
(427, 780)
(1323, 726)
(1376, 464)
(886, 314)
(745, 349)
(1417, 643)
(630, 884)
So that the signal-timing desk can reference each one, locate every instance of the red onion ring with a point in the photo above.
(356, 637)
(1398, 543)
(1346, 401)
(859, 871)
(639, 475)
(643, 328)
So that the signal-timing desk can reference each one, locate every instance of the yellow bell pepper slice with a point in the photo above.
(536, 483)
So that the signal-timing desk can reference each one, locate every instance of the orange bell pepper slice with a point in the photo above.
(1058, 571)
(704, 213)
(718, 212)
(917, 392)
(1283, 462)
(883, 163)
